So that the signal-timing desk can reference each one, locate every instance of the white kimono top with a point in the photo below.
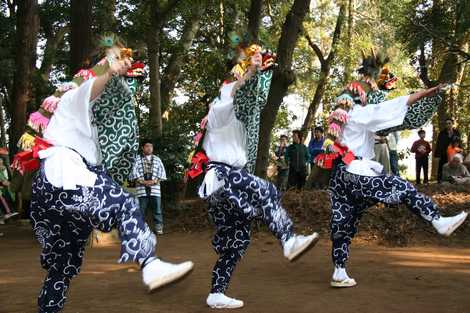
(225, 139)
(359, 131)
(74, 137)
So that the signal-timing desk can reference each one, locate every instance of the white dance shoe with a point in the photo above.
(10, 215)
(341, 279)
(298, 244)
(157, 273)
(447, 225)
(221, 301)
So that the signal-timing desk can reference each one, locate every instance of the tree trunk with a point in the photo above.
(81, 43)
(254, 19)
(449, 74)
(324, 71)
(27, 25)
(283, 77)
(173, 69)
(451, 68)
(158, 17)
(349, 40)
(3, 133)
(155, 79)
(105, 16)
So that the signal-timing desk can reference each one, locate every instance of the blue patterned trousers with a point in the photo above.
(352, 194)
(243, 198)
(63, 220)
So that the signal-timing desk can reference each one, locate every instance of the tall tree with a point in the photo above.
(3, 133)
(27, 26)
(81, 40)
(283, 77)
(254, 19)
(173, 69)
(105, 16)
(162, 86)
(325, 66)
(159, 15)
(444, 27)
(349, 41)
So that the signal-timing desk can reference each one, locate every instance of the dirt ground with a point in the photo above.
(431, 278)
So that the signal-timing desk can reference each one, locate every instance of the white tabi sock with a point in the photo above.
(340, 274)
(146, 261)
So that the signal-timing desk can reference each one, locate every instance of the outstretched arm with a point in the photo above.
(423, 106)
(423, 93)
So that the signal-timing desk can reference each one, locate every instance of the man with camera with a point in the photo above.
(148, 172)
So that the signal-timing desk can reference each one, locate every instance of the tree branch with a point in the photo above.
(423, 68)
(50, 52)
(337, 32)
(317, 49)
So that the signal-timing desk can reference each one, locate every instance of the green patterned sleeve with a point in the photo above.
(251, 98)
(417, 115)
(377, 96)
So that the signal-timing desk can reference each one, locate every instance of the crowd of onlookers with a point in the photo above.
(294, 161)
(147, 174)
(296, 169)
(452, 166)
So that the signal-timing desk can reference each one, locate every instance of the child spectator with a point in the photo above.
(421, 148)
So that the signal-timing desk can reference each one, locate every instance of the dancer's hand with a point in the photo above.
(434, 90)
(119, 67)
(424, 93)
(256, 61)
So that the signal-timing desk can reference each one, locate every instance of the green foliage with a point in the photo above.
(399, 27)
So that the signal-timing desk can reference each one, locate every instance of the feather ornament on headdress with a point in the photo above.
(372, 64)
(108, 41)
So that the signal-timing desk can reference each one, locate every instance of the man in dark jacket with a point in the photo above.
(443, 141)
(297, 157)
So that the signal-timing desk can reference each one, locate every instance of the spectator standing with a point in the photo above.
(392, 140)
(421, 148)
(382, 154)
(148, 172)
(455, 172)
(281, 163)
(297, 157)
(443, 141)
(315, 146)
(319, 177)
(6, 197)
